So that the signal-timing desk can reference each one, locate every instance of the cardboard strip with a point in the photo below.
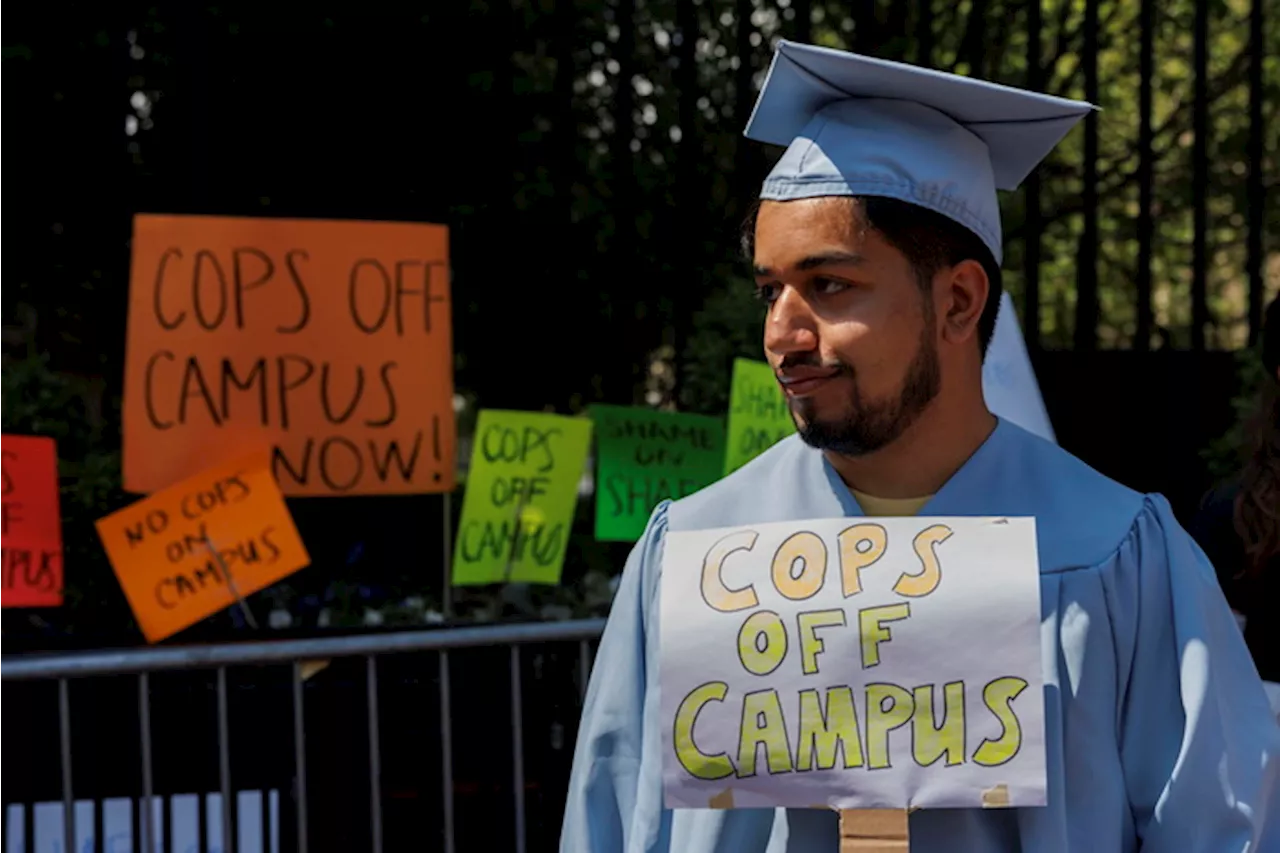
(996, 798)
(874, 831)
(722, 800)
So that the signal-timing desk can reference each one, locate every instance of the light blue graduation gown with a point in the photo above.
(1159, 735)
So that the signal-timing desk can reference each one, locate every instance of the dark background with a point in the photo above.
(588, 159)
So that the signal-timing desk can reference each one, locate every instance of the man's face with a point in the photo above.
(849, 333)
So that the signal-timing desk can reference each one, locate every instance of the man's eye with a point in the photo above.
(767, 293)
(829, 285)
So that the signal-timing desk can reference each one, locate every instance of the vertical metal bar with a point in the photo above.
(1200, 180)
(446, 718)
(375, 753)
(224, 761)
(194, 37)
(504, 21)
(517, 747)
(804, 20)
(166, 826)
(202, 823)
(300, 757)
(268, 826)
(745, 178)
(924, 34)
(1146, 178)
(624, 131)
(865, 26)
(1257, 187)
(446, 752)
(446, 702)
(690, 194)
(564, 129)
(972, 47)
(1034, 222)
(28, 828)
(446, 517)
(68, 801)
(584, 668)
(1086, 331)
(99, 826)
(146, 831)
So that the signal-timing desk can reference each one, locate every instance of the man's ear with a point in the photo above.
(963, 291)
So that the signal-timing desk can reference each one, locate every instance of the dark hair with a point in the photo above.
(929, 240)
(1257, 507)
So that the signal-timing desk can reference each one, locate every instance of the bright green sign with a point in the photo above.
(522, 490)
(758, 413)
(645, 457)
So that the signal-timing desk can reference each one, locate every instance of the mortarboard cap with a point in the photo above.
(855, 125)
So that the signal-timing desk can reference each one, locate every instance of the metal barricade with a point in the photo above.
(143, 662)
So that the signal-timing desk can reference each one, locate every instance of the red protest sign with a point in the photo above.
(32, 524)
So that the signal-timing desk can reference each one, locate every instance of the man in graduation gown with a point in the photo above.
(877, 246)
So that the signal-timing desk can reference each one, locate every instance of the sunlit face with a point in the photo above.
(849, 333)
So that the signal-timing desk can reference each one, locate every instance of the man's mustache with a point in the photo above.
(813, 360)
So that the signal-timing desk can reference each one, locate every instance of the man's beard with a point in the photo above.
(873, 425)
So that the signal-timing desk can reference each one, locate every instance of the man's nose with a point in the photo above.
(790, 328)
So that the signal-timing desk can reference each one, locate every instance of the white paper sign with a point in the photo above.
(853, 663)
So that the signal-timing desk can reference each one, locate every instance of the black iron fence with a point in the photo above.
(599, 141)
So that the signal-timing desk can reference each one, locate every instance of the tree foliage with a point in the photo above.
(588, 158)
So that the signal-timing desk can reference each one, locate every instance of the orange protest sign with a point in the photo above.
(328, 341)
(32, 523)
(189, 551)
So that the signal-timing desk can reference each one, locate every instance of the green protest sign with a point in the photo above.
(521, 493)
(645, 457)
(758, 413)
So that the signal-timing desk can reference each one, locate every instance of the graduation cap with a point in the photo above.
(856, 125)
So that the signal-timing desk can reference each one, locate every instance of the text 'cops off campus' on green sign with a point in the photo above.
(522, 490)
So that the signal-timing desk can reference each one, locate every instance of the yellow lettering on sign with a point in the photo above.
(762, 642)
(699, 764)
(811, 644)
(888, 708)
(823, 732)
(915, 586)
(763, 725)
(811, 552)
(998, 696)
(714, 592)
(873, 632)
(860, 546)
(932, 740)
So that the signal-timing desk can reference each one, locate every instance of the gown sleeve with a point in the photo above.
(613, 805)
(1199, 744)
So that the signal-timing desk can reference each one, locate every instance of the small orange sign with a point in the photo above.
(32, 537)
(191, 550)
(329, 342)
